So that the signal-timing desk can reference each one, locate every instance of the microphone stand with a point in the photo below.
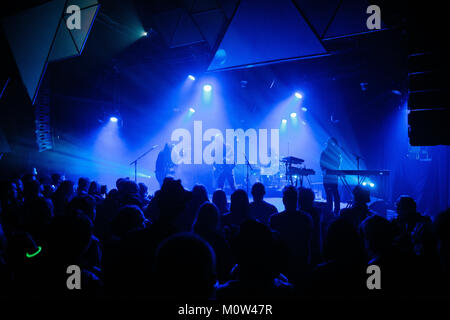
(136, 161)
(357, 165)
(358, 157)
(248, 165)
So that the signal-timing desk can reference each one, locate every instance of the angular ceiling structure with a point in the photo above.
(195, 21)
(40, 35)
(265, 31)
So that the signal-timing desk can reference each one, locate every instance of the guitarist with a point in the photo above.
(164, 165)
(224, 171)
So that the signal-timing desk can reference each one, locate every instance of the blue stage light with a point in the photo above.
(293, 115)
(191, 110)
(304, 109)
(284, 121)
(207, 87)
(370, 184)
(144, 34)
(191, 77)
(113, 119)
(298, 95)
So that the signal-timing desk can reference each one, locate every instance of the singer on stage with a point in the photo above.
(164, 165)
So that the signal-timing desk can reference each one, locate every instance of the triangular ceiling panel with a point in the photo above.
(30, 35)
(265, 31)
(39, 35)
(166, 23)
(186, 32)
(63, 46)
(203, 5)
(210, 24)
(228, 7)
(80, 35)
(319, 13)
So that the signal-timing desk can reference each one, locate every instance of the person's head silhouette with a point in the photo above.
(129, 218)
(406, 207)
(185, 268)
(361, 195)
(305, 198)
(258, 192)
(378, 234)
(172, 199)
(239, 203)
(207, 219)
(255, 255)
(199, 193)
(332, 143)
(83, 185)
(219, 198)
(69, 236)
(290, 198)
(342, 242)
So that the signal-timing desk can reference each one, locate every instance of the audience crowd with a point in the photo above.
(177, 244)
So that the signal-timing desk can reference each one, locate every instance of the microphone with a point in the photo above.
(357, 156)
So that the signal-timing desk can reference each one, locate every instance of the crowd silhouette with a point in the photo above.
(179, 244)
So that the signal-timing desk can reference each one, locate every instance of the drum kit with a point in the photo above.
(290, 171)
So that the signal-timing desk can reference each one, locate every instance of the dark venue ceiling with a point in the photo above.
(187, 33)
